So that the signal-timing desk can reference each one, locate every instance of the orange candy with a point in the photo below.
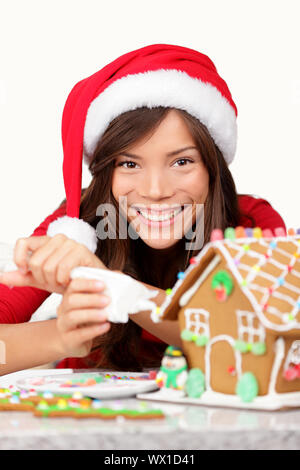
(240, 232)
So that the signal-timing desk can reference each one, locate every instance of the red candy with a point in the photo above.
(152, 374)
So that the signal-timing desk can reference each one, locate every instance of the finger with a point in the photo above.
(55, 258)
(77, 318)
(85, 285)
(17, 279)
(77, 301)
(24, 247)
(81, 335)
(71, 260)
(40, 256)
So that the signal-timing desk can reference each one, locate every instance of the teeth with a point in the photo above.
(160, 218)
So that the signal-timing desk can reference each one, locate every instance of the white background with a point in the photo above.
(48, 46)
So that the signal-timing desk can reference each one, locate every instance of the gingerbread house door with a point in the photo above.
(222, 364)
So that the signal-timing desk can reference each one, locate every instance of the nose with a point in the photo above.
(155, 185)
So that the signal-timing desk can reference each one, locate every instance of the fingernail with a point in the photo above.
(105, 300)
(99, 285)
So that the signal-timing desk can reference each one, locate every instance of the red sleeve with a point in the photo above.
(18, 304)
(261, 211)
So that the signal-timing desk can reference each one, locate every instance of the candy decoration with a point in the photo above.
(181, 275)
(201, 340)
(259, 349)
(193, 260)
(61, 404)
(195, 384)
(257, 233)
(152, 374)
(267, 233)
(231, 370)
(222, 284)
(186, 335)
(241, 346)
(169, 291)
(247, 387)
(240, 232)
(249, 232)
(280, 232)
(229, 233)
(292, 373)
(216, 235)
(291, 232)
(43, 405)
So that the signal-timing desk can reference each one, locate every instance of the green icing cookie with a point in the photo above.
(195, 384)
(247, 387)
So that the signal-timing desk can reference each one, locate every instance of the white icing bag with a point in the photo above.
(126, 294)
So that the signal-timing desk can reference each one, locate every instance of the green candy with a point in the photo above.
(202, 340)
(195, 384)
(259, 349)
(241, 346)
(247, 387)
(187, 335)
(229, 233)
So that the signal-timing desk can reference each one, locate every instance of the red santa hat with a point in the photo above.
(155, 75)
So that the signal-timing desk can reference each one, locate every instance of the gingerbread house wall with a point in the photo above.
(222, 368)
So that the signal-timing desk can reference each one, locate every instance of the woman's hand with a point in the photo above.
(81, 316)
(46, 262)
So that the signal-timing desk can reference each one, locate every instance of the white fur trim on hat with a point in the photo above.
(76, 229)
(162, 87)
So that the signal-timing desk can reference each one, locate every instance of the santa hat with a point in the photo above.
(155, 75)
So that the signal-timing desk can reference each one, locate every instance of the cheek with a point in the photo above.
(120, 185)
(197, 184)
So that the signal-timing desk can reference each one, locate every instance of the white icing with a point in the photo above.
(194, 323)
(249, 329)
(293, 355)
(127, 296)
(185, 298)
(279, 356)
(237, 245)
(264, 402)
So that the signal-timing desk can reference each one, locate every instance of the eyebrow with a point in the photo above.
(170, 154)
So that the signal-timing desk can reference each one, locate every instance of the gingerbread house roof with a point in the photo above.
(266, 269)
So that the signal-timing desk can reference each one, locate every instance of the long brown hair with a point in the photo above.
(121, 346)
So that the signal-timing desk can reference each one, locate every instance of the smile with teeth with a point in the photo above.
(159, 218)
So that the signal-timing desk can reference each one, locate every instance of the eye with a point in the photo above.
(184, 160)
(121, 164)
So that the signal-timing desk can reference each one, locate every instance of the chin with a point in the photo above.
(159, 244)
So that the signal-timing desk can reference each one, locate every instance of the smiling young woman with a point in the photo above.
(157, 129)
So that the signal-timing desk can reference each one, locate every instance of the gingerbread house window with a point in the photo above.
(197, 320)
(293, 356)
(250, 329)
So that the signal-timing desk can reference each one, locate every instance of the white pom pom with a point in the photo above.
(76, 229)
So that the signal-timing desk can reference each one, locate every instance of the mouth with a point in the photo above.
(159, 217)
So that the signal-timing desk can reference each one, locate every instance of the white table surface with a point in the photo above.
(185, 427)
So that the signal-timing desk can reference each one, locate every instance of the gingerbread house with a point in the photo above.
(238, 306)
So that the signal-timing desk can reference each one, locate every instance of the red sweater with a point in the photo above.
(17, 305)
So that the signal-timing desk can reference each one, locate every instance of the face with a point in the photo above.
(156, 177)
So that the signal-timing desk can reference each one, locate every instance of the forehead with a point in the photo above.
(171, 134)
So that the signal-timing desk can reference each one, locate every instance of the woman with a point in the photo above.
(157, 128)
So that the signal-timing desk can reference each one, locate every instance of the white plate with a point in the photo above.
(109, 388)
